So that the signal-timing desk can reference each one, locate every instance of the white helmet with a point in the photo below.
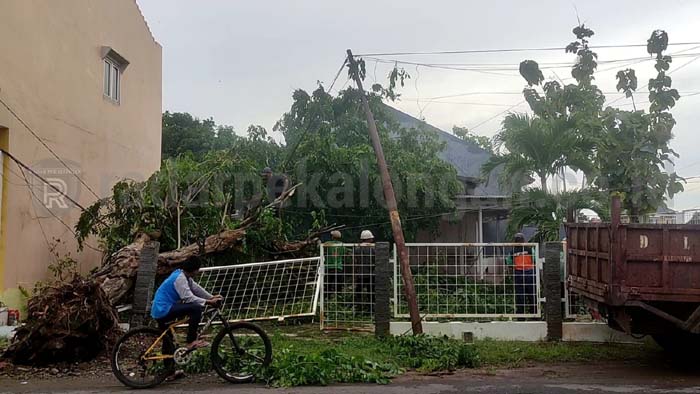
(366, 235)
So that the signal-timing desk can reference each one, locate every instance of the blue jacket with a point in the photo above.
(166, 297)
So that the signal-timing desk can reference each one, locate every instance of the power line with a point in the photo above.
(519, 93)
(291, 153)
(597, 71)
(52, 186)
(510, 67)
(340, 70)
(497, 115)
(41, 227)
(516, 66)
(31, 191)
(470, 51)
(42, 142)
(669, 73)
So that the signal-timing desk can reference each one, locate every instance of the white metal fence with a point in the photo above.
(347, 300)
(266, 290)
(472, 280)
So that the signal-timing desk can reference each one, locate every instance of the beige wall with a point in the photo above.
(51, 75)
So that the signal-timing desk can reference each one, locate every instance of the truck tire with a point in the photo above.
(679, 344)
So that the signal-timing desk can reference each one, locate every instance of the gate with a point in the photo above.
(267, 290)
(472, 280)
(348, 286)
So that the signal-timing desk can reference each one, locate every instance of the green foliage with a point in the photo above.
(396, 75)
(618, 151)
(626, 82)
(512, 354)
(429, 354)
(200, 362)
(530, 71)
(270, 229)
(481, 141)
(453, 295)
(184, 201)
(184, 134)
(334, 161)
(634, 147)
(536, 146)
(549, 212)
(328, 366)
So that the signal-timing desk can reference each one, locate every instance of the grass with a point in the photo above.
(509, 354)
(303, 355)
(516, 354)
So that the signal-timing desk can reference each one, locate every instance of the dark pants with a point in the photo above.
(178, 311)
(333, 282)
(525, 291)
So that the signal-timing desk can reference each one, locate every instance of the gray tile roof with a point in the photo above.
(466, 157)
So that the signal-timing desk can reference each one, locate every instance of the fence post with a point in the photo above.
(145, 282)
(382, 290)
(552, 291)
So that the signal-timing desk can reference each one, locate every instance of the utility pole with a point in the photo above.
(390, 197)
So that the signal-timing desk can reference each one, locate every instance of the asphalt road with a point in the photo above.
(618, 378)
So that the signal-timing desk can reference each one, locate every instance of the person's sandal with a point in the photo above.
(198, 344)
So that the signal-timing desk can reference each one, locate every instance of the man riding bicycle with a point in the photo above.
(179, 296)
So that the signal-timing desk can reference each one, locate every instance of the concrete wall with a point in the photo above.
(51, 75)
(528, 331)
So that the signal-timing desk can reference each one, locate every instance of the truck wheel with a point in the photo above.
(679, 344)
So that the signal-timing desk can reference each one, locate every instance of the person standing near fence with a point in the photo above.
(363, 272)
(524, 276)
(333, 261)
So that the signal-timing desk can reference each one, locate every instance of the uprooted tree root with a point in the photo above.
(67, 321)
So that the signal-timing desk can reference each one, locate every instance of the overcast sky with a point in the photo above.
(239, 62)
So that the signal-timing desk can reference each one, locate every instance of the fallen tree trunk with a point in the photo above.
(74, 321)
(117, 275)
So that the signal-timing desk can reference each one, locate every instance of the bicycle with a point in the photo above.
(143, 357)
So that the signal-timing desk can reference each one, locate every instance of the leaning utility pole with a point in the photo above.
(408, 285)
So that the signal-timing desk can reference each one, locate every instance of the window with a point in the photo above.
(112, 80)
(114, 65)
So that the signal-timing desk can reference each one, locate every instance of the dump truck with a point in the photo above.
(644, 279)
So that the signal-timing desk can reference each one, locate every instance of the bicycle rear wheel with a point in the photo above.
(129, 365)
(240, 352)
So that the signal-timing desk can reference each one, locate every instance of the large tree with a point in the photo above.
(619, 151)
(634, 150)
(186, 134)
(330, 154)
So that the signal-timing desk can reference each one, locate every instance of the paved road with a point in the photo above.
(617, 378)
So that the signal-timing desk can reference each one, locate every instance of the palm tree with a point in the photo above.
(535, 146)
(548, 212)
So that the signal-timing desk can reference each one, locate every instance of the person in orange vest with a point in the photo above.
(525, 280)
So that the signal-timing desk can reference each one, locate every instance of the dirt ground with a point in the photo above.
(654, 376)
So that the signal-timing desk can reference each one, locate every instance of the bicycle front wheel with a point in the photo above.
(138, 358)
(240, 352)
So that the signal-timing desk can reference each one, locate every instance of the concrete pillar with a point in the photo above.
(144, 288)
(552, 291)
(382, 290)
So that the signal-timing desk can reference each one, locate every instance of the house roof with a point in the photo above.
(466, 157)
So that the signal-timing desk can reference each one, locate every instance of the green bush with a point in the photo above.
(429, 354)
(290, 368)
